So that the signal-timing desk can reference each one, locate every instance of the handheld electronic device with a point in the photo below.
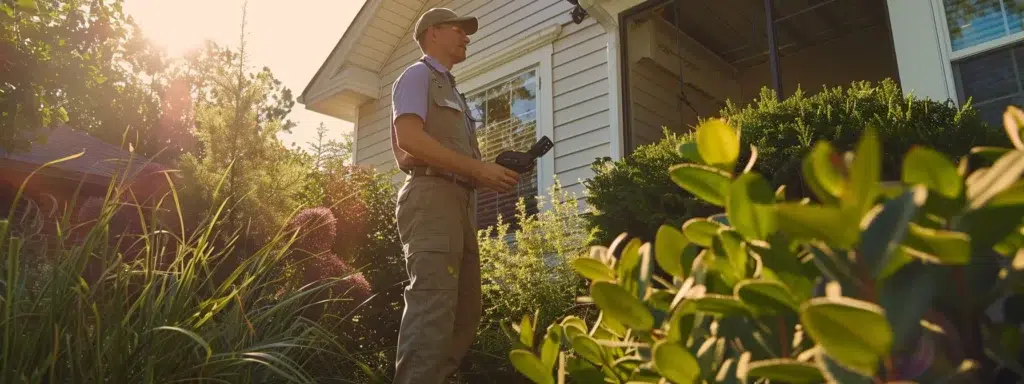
(523, 162)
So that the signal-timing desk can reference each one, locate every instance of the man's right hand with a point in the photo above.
(496, 177)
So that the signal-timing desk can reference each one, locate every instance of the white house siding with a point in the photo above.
(580, 86)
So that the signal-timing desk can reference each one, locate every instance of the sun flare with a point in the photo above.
(183, 25)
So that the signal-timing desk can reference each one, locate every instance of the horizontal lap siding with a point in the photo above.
(655, 103)
(580, 82)
(581, 101)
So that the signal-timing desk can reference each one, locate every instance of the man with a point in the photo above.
(435, 145)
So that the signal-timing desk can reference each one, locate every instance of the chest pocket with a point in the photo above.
(450, 118)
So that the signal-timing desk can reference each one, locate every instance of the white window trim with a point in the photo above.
(539, 60)
(949, 56)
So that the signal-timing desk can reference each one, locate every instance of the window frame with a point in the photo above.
(538, 60)
(950, 57)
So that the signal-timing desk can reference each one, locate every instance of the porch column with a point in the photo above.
(919, 39)
(606, 13)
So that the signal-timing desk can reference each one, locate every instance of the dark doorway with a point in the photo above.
(684, 59)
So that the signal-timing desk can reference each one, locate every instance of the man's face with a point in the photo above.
(451, 40)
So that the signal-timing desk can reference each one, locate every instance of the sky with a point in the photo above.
(292, 38)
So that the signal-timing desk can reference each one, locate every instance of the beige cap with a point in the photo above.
(437, 16)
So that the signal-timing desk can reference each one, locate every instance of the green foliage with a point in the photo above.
(859, 287)
(785, 131)
(527, 272)
(86, 63)
(240, 149)
(325, 157)
(367, 239)
(80, 309)
(636, 196)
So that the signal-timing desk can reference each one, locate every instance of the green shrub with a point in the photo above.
(784, 131)
(363, 200)
(880, 282)
(635, 197)
(211, 315)
(526, 272)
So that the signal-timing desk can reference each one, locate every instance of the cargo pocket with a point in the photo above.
(428, 242)
(430, 265)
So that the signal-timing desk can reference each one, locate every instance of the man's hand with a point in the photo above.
(495, 176)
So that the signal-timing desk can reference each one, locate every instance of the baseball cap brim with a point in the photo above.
(469, 24)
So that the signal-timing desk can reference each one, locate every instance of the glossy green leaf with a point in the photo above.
(946, 247)
(689, 152)
(887, 229)
(821, 174)
(1003, 173)
(767, 297)
(899, 258)
(837, 373)
(855, 333)
(593, 269)
(573, 331)
(681, 322)
(675, 362)
(989, 154)
(718, 143)
(720, 218)
(907, 296)
(807, 222)
(549, 348)
(530, 366)
(749, 206)
(721, 305)
(621, 306)
(707, 183)
(629, 265)
(701, 231)
(1013, 123)
(588, 348)
(526, 331)
(786, 371)
(729, 246)
(933, 170)
(573, 321)
(999, 218)
(865, 175)
(669, 244)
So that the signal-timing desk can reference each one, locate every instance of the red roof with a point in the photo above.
(98, 158)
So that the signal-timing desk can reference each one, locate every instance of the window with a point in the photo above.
(993, 81)
(974, 22)
(506, 119)
(990, 73)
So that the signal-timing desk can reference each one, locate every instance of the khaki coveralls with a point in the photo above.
(436, 215)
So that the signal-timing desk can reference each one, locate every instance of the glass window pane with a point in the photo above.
(988, 76)
(508, 111)
(972, 22)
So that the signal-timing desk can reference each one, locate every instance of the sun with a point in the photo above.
(182, 25)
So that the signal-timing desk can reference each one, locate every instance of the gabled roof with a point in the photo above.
(98, 158)
(350, 75)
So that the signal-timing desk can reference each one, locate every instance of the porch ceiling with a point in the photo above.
(735, 29)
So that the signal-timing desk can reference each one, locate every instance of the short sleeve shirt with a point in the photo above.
(407, 96)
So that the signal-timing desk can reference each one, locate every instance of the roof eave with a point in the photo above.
(348, 40)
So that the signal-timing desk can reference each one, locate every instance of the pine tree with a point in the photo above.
(258, 179)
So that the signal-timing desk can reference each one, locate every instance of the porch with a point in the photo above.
(684, 59)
